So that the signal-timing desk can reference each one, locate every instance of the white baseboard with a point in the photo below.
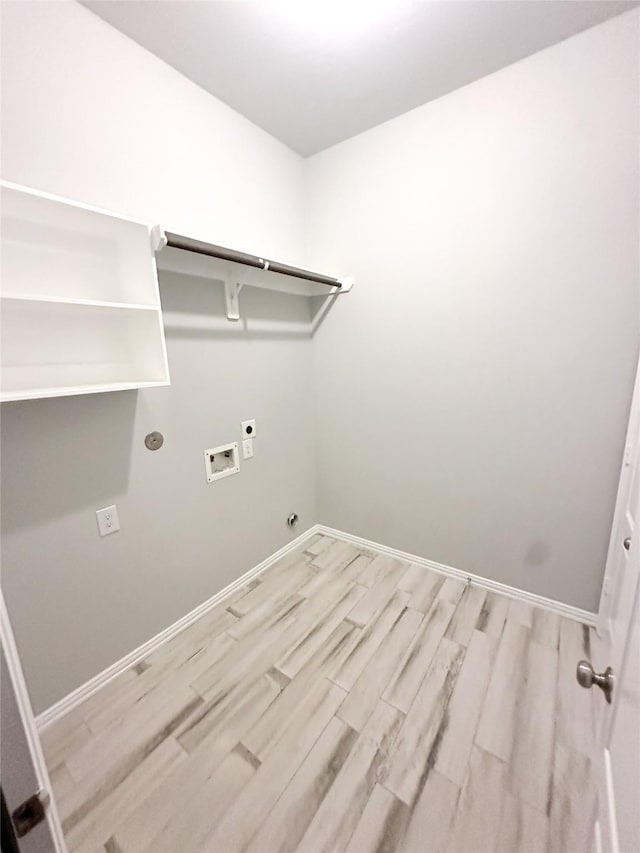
(566, 610)
(73, 699)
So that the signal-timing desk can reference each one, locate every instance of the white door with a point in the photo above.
(619, 773)
(23, 770)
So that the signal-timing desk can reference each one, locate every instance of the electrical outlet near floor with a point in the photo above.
(107, 520)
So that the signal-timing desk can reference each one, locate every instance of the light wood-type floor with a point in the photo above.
(341, 701)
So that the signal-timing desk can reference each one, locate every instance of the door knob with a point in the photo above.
(627, 543)
(604, 680)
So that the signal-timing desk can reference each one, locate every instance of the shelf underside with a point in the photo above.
(63, 250)
(51, 349)
(80, 308)
(190, 263)
(62, 300)
(74, 390)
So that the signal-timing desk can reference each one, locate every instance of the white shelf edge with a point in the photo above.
(67, 391)
(63, 200)
(174, 260)
(25, 380)
(92, 303)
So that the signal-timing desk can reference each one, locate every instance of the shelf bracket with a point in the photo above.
(347, 283)
(231, 292)
(158, 238)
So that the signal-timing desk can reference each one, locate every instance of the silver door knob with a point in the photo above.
(604, 680)
(627, 543)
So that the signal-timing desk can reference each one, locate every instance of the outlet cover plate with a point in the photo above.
(249, 428)
(108, 521)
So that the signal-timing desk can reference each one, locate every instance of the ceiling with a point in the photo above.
(315, 72)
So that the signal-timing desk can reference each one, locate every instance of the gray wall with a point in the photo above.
(473, 390)
(470, 393)
(78, 602)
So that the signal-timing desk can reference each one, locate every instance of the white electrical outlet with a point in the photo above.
(247, 448)
(107, 520)
(249, 428)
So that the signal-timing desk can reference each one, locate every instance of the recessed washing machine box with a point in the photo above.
(220, 462)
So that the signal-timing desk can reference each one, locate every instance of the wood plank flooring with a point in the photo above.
(341, 701)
